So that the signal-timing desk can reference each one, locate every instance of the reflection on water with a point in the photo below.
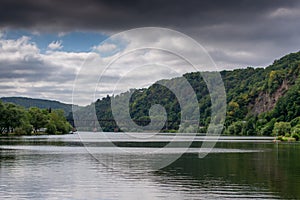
(59, 167)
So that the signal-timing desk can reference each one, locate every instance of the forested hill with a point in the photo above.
(260, 101)
(39, 103)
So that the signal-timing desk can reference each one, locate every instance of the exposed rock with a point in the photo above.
(266, 101)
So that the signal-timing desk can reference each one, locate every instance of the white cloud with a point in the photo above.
(107, 47)
(145, 58)
(20, 50)
(55, 45)
(285, 13)
(27, 71)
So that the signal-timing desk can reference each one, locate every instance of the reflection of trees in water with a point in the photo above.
(281, 169)
(7, 157)
(262, 171)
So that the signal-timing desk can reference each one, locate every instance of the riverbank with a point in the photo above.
(286, 139)
(39, 133)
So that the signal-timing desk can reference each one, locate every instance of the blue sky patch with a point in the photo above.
(71, 41)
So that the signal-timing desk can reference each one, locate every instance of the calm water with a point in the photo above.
(60, 167)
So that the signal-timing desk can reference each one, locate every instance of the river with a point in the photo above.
(69, 167)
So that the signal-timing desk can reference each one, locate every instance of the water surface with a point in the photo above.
(61, 167)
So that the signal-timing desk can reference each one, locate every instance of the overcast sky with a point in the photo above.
(45, 44)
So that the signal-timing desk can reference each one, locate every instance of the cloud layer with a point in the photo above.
(236, 34)
(132, 59)
(25, 71)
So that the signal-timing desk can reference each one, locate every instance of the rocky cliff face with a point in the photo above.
(266, 101)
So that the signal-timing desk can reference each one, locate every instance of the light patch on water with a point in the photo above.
(145, 137)
(119, 150)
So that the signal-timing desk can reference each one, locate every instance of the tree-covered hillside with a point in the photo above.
(39, 103)
(257, 101)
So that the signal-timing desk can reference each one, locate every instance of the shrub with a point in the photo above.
(19, 131)
(287, 135)
(27, 128)
(51, 128)
(281, 128)
(291, 139)
(296, 136)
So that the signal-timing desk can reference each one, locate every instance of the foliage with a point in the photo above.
(16, 119)
(236, 128)
(39, 103)
(57, 120)
(51, 128)
(11, 116)
(295, 122)
(268, 127)
(43, 104)
(296, 129)
(282, 128)
(280, 137)
(296, 136)
(37, 118)
(259, 101)
(286, 139)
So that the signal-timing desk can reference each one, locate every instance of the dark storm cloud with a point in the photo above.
(116, 14)
(34, 71)
(225, 27)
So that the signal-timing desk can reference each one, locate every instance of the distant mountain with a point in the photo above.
(257, 99)
(39, 103)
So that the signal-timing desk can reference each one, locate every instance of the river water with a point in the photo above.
(73, 167)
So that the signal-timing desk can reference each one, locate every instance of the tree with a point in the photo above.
(295, 121)
(236, 128)
(2, 117)
(250, 126)
(296, 129)
(267, 129)
(58, 119)
(51, 128)
(13, 116)
(27, 128)
(282, 128)
(38, 118)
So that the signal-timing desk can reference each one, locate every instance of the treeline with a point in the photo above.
(39, 103)
(15, 119)
(270, 103)
(258, 99)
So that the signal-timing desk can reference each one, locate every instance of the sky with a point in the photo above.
(49, 49)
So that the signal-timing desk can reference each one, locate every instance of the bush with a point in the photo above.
(19, 131)
(268, 128)
(295, 121)
(281, 128)
(291, 139)
(51, 128)
(296, 136)
(296, 129)
(27, 128)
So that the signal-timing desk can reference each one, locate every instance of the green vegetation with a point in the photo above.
(261, 101)
(15, 119)
(39, 103)
(43, 104)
